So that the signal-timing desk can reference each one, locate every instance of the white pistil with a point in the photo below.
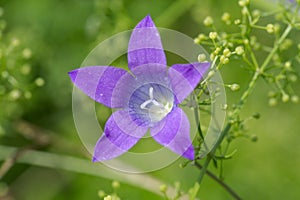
(158, 109)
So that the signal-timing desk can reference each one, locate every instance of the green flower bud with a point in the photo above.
(208, 21)
(213, 35)
(226, 18)
(272, 102)
(26, 53)
(234, 87)
(287, 65)
(270, 28)
(243, 3)
(285, 98)
(224, 60)
(227, 52)
(163, 188)
(293, 78)
(101, 193)
(115, 184)
(295, 99)
(39, 82)
(239, 50)
(256, 13)
(202, 57)
(15, 94)
(108, 197)
(237, 21)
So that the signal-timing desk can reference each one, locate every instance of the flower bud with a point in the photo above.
(239, 50)
(108, 197)
(270, 28)
(202, 57)
(15, 94)
(295, 99)
(213, 35)
(227, 52)
(234, 87)
(115, 184)
(287, 65)
(237, 21)
(26, 53)
(224, 60)
(226, 18)
(39, 82)
(208, 21)
(285, 98)
(163, 188)
(272, 102)
(101, 193)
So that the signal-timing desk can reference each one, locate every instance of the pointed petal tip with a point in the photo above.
(73, 74)
(146, 22)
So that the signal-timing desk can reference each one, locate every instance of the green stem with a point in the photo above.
(82, 166)
(224, 185)
(204, 169)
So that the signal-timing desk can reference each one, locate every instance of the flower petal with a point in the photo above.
(185, 77)
(145, 45)
(120, 134)
(98, 83)
(174, 133)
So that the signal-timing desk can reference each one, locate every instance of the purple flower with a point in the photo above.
(147, 97)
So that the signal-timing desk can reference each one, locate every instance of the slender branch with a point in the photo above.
(39, 140)
(219, 181)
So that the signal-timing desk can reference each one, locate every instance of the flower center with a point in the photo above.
(150, 104)
(155, 107)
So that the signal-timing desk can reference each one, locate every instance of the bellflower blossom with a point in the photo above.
(146, 98)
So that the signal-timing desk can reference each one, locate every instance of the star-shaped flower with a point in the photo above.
(147, 97)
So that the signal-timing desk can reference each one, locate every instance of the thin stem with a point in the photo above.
(204, 169)
(196, 114)
(219, 181)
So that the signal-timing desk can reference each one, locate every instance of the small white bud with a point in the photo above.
(208, 21)
(227, 52)
(224, 60)
(108, 197)
(202, 57)
(39, 82)
(213, 35)
(272, 102)
(15, 94)
(295, 99)
(270, 28)
(234, 87)
(239, 50)
(26, 53)
(285, 98)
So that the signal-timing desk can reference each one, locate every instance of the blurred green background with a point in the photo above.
(60, 34)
